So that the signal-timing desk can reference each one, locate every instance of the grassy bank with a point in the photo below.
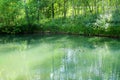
(79, 25)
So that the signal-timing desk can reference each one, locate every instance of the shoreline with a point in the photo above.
(64, 33)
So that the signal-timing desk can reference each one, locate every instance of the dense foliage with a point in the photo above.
(90, 17)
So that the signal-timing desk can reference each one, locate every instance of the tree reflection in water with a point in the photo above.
(59, 58)
(77, 64)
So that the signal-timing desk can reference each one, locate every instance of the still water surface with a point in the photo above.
(56, 57)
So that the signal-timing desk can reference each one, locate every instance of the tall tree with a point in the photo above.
(52, 9)
(38, 11)
(27, 14)
(65, 8)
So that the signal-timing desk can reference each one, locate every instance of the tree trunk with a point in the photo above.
(38, 12)
(52, 10)
(65, 10)
(26, 12)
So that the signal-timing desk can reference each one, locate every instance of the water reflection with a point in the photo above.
(56, 57)
(82, 65)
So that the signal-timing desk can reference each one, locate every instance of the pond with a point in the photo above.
(59, 57)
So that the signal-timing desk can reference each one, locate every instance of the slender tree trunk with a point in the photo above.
(95, 6)
(59, 9)
(73, 9)
(65, 10)
(38, 12)
(26, 12)
(52, 9)
(102, 6)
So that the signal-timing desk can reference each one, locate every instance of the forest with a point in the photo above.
(86, 17)
(59, 39)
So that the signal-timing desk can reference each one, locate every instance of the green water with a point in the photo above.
(59, 57)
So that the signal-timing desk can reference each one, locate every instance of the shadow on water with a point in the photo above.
(58, 57)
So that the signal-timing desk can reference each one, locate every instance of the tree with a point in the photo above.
(27, 14)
